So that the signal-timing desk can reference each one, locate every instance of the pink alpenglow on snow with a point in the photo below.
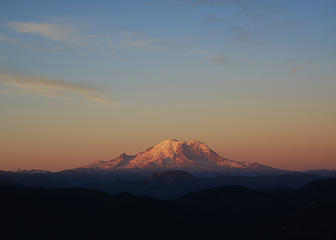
(174, 154)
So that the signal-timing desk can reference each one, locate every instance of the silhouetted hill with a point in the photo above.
(294, 180)
(172, 177)
(168, 184)
(322, 190)
(240, 205)
(322, 172)
(233, 212)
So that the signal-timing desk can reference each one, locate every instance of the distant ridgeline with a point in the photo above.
(234, 212)
(170, 169)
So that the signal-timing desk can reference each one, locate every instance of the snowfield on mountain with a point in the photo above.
(184, 155)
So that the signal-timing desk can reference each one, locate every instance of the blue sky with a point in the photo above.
(156, 61)
(130, 43)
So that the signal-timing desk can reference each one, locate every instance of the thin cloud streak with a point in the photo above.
(216, 59)
(67, 37)
(256, 10)
(5, 38)
(137, 40)
(51, 31)
(211, 57)
(50, 87)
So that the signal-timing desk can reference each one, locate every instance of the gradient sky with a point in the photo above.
(82, 81)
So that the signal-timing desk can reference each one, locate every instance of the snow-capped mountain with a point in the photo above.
(174, 154)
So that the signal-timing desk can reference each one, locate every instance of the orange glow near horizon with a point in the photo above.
(71, 141)
(62, 156)
(253, 80)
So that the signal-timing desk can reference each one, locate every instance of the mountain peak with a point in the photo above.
(173, 146)
(167, 147)
(170, 140)
(123, 155)
(194, 141)
(173, 141)
(172, 154)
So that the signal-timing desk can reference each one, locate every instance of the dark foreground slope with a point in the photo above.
(227, 212)
(167, 184)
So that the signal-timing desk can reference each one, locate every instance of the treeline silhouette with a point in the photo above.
(164, 185)
(224, 212)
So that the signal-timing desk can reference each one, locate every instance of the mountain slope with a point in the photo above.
(234, 212)
(174, 154)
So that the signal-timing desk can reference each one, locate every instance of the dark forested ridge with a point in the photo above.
(233, 212)
(164, 185)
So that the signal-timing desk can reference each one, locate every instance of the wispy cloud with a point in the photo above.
(247, 19)
(49, 87)
(5, 38)
(138, 40)
(257, 9)
(51, 31)
(218, 59)
(139, 43)
(242, 32)
(210, 56)
(67, 37)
